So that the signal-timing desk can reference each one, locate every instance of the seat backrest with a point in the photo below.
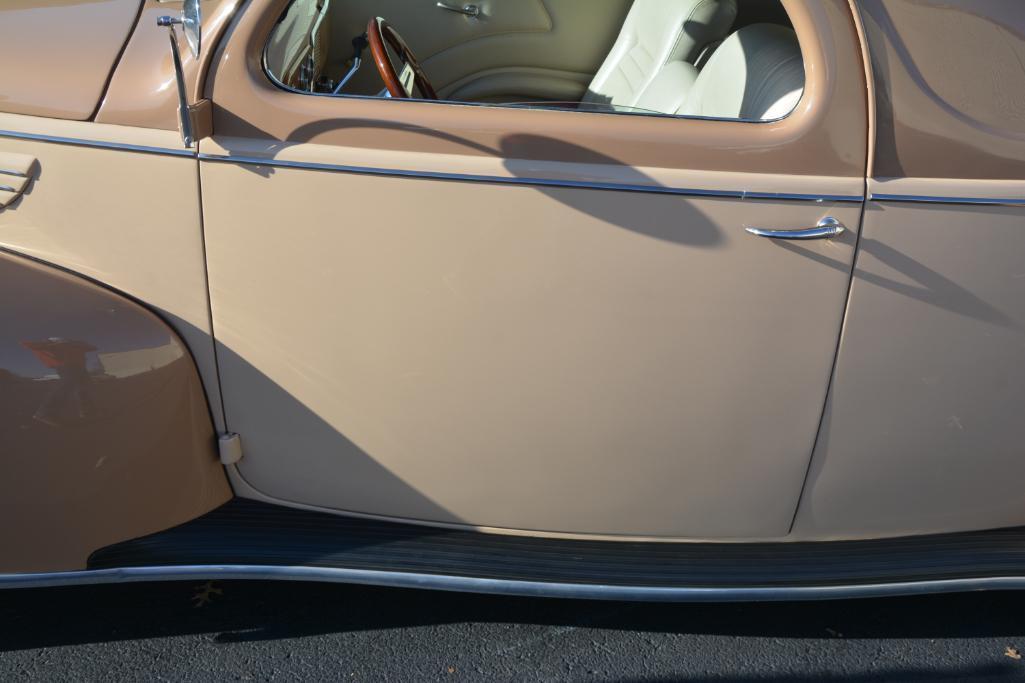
(668, 91)
(757, 74)
(654, 34)
(300, 35)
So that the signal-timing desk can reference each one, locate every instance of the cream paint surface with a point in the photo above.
(951, 79)
(548, 359)
(923, 432)
(56, 55)
(127, 219)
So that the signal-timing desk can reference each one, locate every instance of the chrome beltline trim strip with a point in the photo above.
(544, 182)
(548, 182)
(102, 144)
(927, 199)
(504, 586)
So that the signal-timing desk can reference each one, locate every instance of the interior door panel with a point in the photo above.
(526, 49)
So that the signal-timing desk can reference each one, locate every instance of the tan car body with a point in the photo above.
(541, 323)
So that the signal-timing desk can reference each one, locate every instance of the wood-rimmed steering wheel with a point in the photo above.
(380, 34)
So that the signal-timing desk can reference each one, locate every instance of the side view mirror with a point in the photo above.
(191, 20)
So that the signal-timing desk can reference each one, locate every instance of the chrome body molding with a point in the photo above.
(546, 182)
(102, 144)
(928, 199)
(466, 177)
(513, 180)
(507, 587)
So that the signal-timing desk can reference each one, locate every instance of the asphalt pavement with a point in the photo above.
(265, 631)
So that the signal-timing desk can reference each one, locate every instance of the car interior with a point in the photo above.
(729, 59)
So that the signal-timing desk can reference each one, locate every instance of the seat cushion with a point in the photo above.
(757, 74)
(657, 33)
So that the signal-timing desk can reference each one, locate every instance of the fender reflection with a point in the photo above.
(105, 430)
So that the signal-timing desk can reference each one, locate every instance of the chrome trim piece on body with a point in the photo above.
(658, 189)
(547, 182)
(513, 180)
(505, 586)
(928, 199)
(102, 144)
(827, 228)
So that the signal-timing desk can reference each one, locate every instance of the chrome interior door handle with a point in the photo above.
(468, 10)
(826, 228)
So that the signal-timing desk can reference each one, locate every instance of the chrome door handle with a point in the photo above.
(826, 228)
(468, 10)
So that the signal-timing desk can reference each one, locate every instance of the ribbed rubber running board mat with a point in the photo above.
(244, 532)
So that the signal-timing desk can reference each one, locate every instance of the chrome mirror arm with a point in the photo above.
(190, 20)
(184, 116)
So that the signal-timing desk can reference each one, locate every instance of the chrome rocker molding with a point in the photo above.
(506, 587)
(542, 182)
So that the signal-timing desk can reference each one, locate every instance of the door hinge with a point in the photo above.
(229, 446)
(201, 119)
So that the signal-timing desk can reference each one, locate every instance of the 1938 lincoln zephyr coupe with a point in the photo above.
(661, 299)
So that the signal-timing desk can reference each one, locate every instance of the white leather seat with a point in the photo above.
(658, 34)
(757, 74)
(668, 91)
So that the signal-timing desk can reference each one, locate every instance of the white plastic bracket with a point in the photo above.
(230, 448)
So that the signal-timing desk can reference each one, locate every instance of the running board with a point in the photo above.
(248, 539)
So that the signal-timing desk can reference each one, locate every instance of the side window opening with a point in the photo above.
(723, 59)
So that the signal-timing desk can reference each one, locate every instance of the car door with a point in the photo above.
(531, 320)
